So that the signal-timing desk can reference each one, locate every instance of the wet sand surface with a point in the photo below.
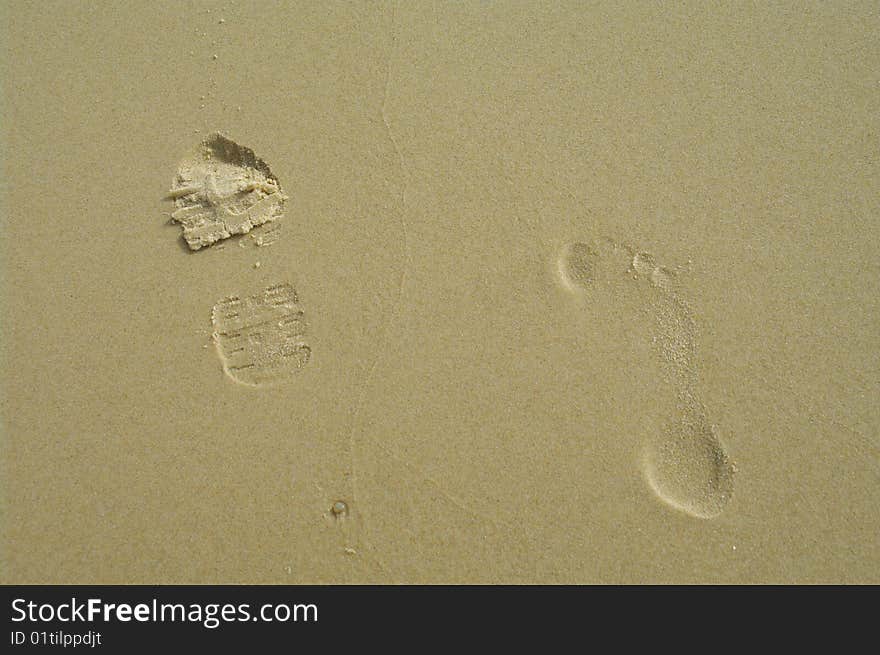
(470, 293)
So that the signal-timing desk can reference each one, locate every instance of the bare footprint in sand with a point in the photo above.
(686, 463)
(688, 466)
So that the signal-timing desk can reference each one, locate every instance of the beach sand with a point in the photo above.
(483, 292)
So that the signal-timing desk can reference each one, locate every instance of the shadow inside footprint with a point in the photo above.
(581, 266)
(688, 466)
(576, 265)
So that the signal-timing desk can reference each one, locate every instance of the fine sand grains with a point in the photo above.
(223, 189)
(261, 339)
(685, 462)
